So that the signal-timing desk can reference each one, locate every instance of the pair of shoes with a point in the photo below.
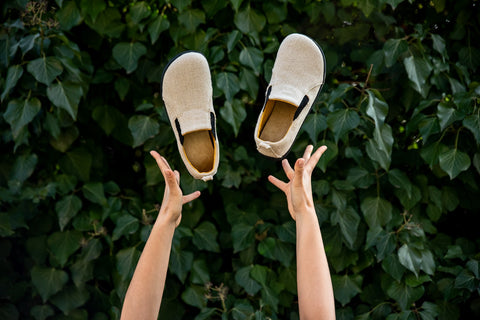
(298, 75)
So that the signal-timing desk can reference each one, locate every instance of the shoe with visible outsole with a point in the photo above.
(298, 76)
(187, 94)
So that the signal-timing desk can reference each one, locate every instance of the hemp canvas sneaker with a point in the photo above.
(298, 75)
(187, 94)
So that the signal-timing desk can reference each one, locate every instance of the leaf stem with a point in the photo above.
(456, 138)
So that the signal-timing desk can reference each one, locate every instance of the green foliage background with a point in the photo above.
(397, 192)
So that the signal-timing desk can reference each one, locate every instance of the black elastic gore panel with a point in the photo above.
(300, 107)
(177, 125)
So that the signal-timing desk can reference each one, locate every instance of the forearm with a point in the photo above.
(315, 293)
(144, 295)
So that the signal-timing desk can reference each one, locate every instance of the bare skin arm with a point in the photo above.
(144, 294)
(315, 292)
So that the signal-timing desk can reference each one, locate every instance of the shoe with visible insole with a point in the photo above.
(187, 94)
(298, 75)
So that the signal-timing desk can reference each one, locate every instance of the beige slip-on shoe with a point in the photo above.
(298, 75)
(187, 94)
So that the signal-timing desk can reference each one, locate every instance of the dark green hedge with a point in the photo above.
(397, 192)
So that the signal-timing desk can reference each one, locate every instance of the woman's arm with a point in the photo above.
(315, 292)
(144, 294)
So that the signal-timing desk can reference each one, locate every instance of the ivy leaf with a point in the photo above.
(93, 191)
(404, 294)
(346, 287)
(28, 42)
(108, 23)
(243, 236)
(64, 244)
(195, 296)
(139, 11)
(127, 54)
(204, 237)
(428, 126)
(191, 19)
(228, 83)
(314, 124)
(431, 153)
(342, 121)
(66, 95)
(122, 85)
(393, 267)
(200, 273)
(67, 208)
(181, 262)
(107, 117)
(248, 82)
(348, 220)
(286, 232)
(69, 16)
(377, 110)
(77, 162)
(234, 114)
(253, 58)
(454, 162)
(125, 225)
(410, 258)
(400, 180)
(394, 49)
(428, 263)
(157, 26)
(377, 211)
(126, 260)
(232, 39)
(48, 281)
(181, 4)
(439, 45)
(23, 167)
(259, 273)
(13, 74)
(45, 69)
(92, 8)
(418, 70)
(469, 56)
(466, 280)
(236, 4)
(242, 310)
(142, 128)
(20, 113)
(328, 155)
(472, 123)
(42, 312)
(70, 298)
(447, 115)
(380, 147)
(242, 278)
(249, 20)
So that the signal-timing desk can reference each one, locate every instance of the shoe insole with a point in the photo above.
(200, 150)
(278, 121)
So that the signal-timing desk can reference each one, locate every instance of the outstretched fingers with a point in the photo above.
(308, 152)
(190, 197)
(312, 162)
(278, 183)
(288, 169)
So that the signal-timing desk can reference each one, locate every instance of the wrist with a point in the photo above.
(165, 220)
(305, 215)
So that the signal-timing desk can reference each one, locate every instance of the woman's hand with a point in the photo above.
(173, 198)
(298, 189)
